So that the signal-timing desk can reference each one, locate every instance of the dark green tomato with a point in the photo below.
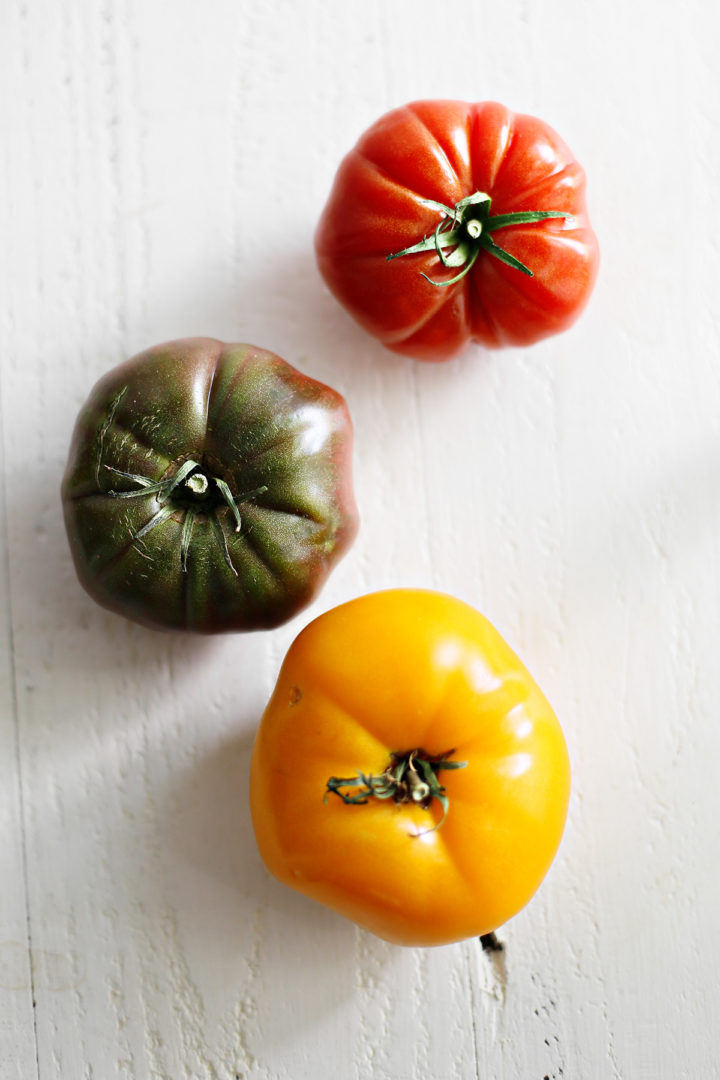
(209, 488)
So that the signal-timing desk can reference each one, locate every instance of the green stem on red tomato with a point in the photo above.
(464, 231)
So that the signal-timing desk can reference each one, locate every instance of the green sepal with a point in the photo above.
(185, 538)
(451, 281)
(438, 239)
(164, 490)
(222, 541)
(440, 207)
(522, 217)
(157, 519)
(227, 496)
(504, 256)
(177, 479)
(452, 232)
(473, 200)
(458, 256)
(147, 486)
(408, 778)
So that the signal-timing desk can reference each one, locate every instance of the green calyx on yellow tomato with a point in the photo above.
(369, 700)
(409, 777)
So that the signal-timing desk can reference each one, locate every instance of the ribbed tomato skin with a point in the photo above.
(446, 151)
(392, 672)
(280, 441)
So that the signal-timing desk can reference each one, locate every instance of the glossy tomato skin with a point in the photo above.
(446, 151)
(280, 441)
(391, 672)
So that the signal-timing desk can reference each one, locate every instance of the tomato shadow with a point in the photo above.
(260, 934)
(281, 303)
(55, 622)
(317, 334)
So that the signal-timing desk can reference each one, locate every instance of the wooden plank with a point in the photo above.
(18, 1058)
(165, 180)
(175, 955)
(17, 1031)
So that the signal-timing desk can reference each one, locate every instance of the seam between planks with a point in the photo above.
(16, 734)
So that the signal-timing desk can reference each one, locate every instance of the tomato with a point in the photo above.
(209, 487)
(449, 223)
(408, 772)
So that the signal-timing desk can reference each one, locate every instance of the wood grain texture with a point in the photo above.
(17, 1034)
(161, 176)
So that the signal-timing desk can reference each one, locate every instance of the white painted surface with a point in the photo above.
(163, 166)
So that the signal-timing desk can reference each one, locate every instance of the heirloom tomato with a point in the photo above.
(449, 223)
(408, 772)
(209, 487)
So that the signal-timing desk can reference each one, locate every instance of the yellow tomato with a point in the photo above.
(408, 772)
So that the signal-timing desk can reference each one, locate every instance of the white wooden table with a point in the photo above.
(163, 167)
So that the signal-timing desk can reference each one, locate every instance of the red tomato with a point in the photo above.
(417, 243)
